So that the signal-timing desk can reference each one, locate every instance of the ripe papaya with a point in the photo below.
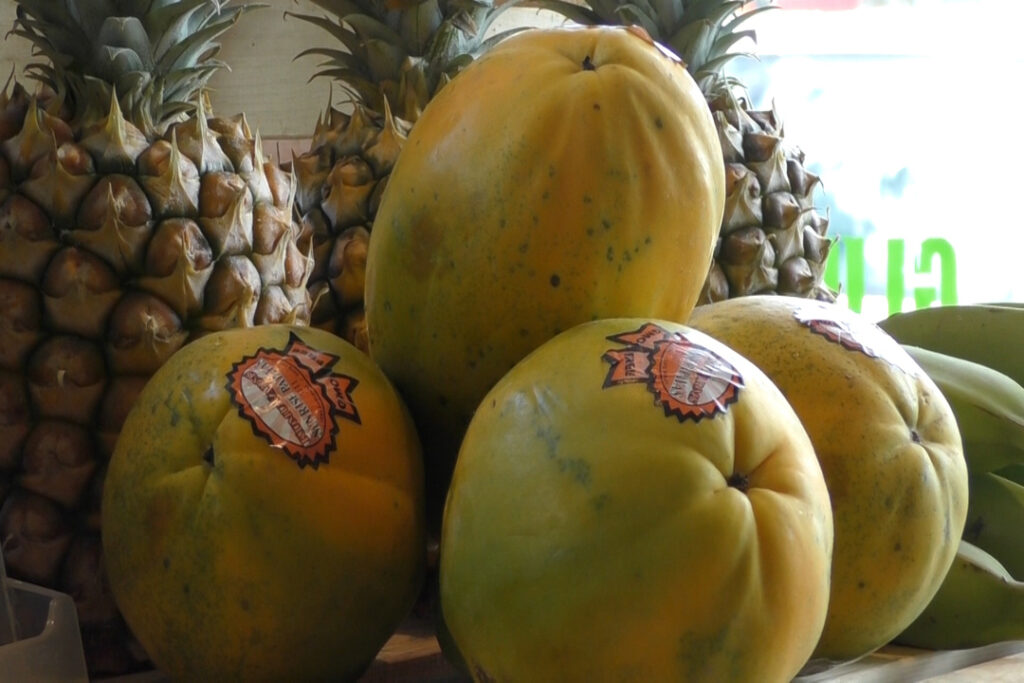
(263, 509)
(567, 175)
(635, 501)
(889, 447)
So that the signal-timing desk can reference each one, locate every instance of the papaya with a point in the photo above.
(889, 447)
(635, 501)
(262, 513)
(567, 175)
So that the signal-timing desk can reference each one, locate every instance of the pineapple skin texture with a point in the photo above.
(592, 194)
(889, 447)
(590, 535)
(116, 249)
(231, 562)
(341, 179)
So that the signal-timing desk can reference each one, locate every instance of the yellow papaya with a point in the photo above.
(263, 509)
(567, 175)
(635, 501)
(889, 447)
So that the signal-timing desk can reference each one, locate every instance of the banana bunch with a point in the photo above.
(995, 519)
(989, 406)
(979, 603)
(989, 334)
(973, 354)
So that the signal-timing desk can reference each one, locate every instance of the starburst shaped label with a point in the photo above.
(689, 381)
(836, 325)
(291, 397)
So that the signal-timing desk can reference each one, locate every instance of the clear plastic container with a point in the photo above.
(39, 636)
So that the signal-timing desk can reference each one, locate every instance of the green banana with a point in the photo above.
(989, 334)
(978, 603)
(995, 520)
(1008, 304)
(989, 407)
(1013, 472)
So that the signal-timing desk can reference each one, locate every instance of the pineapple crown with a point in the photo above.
(701, 32)
(399, 53)
(154, 57)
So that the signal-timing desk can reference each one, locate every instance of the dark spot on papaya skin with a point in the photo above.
(555, 280)
(658, 123)
(588, 64)
(597, 107)
(861, 585)
(739, 482)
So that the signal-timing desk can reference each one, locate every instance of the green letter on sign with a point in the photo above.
(932, 247)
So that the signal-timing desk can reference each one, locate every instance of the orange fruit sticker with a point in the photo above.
(688, 380)
(291, 398)
(834, 325)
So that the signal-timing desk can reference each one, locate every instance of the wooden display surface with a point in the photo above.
(413, 655)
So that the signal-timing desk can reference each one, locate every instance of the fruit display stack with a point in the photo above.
(531, 344)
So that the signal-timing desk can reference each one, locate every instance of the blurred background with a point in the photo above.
(897, 106)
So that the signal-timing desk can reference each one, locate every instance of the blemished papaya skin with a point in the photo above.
(235, 554)
(634, 501)
(567, 175)
(889, 447)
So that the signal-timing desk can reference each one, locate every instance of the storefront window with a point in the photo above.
(901, 108)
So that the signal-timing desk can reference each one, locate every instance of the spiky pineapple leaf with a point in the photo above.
(344, 35)
(341, 58)
(408, 51)
(580, 14)
(370, 28)
(156, 56)
(419, 23)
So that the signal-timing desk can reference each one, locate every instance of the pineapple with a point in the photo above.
(392, 57)
(131, 221)
(772, 239)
